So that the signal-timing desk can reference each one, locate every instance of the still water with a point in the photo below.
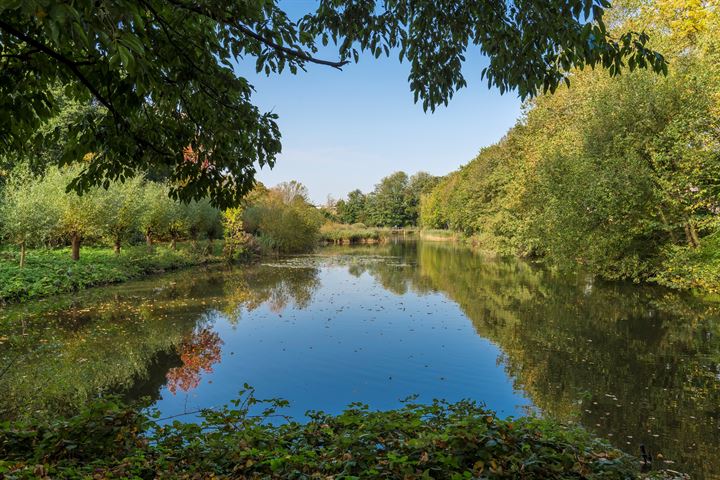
(377, 324)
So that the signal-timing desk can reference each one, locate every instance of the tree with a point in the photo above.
(386, 204)
(201, 219)
(292, 191)
(121, 205)
(162, 76)
(418, 185)
(79, 216)
(281, 226)
(158, 212)
(352, 210)
(26, 216)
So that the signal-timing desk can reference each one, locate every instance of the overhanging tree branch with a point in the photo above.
(300, 55)
(70, 64)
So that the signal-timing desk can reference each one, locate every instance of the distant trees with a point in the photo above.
(352, 210)
(393, 203)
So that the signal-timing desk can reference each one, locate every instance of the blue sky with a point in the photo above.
(347, 129)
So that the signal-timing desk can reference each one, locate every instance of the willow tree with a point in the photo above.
(163, 71)
(27, 215)
(121, 205)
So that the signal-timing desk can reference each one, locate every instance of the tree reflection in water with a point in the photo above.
(636, 364)
(198, 353)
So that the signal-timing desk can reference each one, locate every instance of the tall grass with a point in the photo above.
(339, 233)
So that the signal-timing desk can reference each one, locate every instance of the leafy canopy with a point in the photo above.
(162, 72)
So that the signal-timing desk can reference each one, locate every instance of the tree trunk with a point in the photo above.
(669, 228)
(22, 254)
(691, 239)
(116, 246)
(173, 243)
(75, 247)
(694, 234)
(148, 240)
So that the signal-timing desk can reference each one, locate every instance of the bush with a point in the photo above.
(440, 441)
(283, 223)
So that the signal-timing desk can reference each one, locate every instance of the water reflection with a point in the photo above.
(635, 364)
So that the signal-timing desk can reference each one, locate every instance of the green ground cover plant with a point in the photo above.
(52, 271)
(251, 439)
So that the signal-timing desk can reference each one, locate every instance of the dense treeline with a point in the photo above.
(395, 201)
(617, 174)
(36, 211)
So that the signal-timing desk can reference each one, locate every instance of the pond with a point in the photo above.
(376, 324)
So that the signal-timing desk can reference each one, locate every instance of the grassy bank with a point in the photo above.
(439, 441)
(50, 272)
(339, 233)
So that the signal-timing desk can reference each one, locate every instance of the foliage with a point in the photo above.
(79, 217)
(121, 206)
(441, 440)
(49, 272)
(238, 245)
(394, 202)
(282, 219)
(160, 216)
(37, 211)
(162, 104)
(358, 233)
(616, 175)
(27, 218)
(352, 210)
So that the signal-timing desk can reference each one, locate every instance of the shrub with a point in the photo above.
(440, 441)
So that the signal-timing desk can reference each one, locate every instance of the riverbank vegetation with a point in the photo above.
(340, 233)
(58, 242)
(616, 175)
(441, 440)
(52, 271)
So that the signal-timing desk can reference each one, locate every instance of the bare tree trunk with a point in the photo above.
(148, 240)
(116, 246)
(22, 254)
(75, 247)
(173, 243)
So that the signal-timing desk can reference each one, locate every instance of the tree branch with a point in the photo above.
(295, 53)
(254, 35)
(71, 65)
